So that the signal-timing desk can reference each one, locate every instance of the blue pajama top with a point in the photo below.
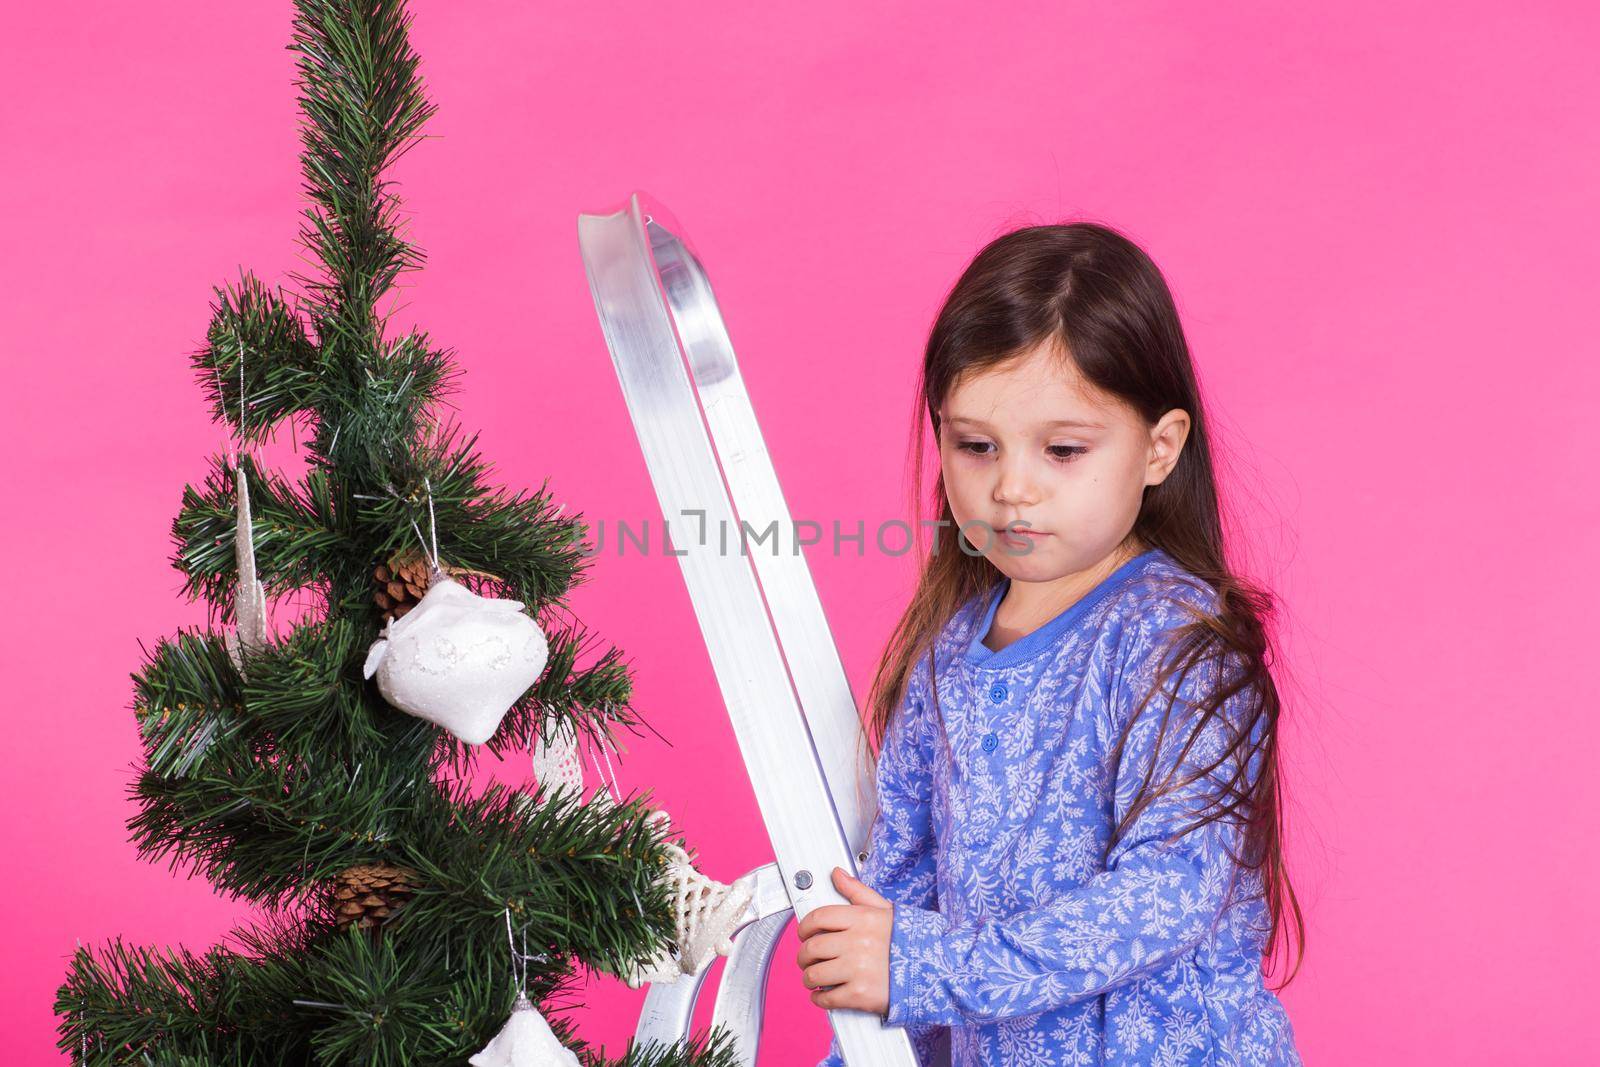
(1012, 942)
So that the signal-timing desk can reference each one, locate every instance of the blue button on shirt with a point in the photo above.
(1012, 943)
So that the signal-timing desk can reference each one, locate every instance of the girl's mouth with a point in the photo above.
(1022, 538)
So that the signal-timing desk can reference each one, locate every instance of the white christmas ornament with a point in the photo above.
(526, 1040)
(706, 911)
(250, 600)
(707, 914)
(458, 659)
(556, 764)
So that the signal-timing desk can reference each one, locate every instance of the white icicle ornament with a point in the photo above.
(526, 1040)
(250, 602)
(458, 659)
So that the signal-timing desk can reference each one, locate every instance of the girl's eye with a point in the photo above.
(1059, 453)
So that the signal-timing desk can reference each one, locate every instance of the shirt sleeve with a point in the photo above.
(900, 861)
(1162, 891)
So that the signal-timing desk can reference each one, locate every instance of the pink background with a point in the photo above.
(1379, 224)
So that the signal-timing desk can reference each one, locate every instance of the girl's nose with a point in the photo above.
(1016, 484)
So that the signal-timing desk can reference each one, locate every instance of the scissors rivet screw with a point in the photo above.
(802, 879)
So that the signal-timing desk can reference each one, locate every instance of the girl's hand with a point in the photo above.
(844, 950)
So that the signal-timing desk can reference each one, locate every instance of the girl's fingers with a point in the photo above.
(826, 917)
(839, 997)
(825, 973)
(856, 891)
(825, 946)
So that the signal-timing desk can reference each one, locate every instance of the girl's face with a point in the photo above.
(1031, 444)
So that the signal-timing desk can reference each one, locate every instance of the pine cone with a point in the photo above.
(403, 581)
(370, 894)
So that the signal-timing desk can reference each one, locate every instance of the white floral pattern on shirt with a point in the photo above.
(1011, 939)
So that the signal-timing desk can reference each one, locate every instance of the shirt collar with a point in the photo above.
(1031, 644)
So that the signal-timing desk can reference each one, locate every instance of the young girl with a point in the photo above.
(1076, 857)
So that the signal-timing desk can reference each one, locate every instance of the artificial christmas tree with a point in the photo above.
(404, 917)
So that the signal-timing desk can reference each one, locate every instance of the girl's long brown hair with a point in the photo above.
(1104, 304)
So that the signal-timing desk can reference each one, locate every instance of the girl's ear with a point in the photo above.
(1166, 444)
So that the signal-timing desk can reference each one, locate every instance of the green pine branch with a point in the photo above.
(711, 1048)
(295, 534)
(341, 997)
(258, 367)
(364, 107)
